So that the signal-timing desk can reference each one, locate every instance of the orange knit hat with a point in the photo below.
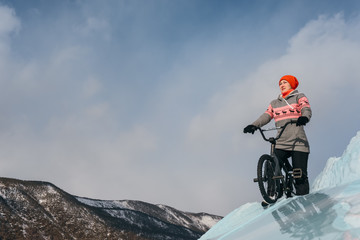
(290, 79)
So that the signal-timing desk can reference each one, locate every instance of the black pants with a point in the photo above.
(299, 160)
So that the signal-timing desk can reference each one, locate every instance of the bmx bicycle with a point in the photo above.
(273, 175)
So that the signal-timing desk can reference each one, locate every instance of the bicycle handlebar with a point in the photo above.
(271, 139)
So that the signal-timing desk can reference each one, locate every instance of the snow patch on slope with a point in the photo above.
(101, 203)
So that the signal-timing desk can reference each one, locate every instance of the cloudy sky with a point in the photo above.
(147, 99)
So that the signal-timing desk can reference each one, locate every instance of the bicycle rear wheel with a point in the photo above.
(269, 188)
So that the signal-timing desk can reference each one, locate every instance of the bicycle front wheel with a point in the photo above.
(269, 187)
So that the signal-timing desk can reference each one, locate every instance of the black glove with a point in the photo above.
(250, 129)
(302, 121)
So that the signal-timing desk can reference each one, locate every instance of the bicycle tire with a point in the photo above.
(269, 188)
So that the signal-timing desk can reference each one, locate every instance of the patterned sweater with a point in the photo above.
(283, 110)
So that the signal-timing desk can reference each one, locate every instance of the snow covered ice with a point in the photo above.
(341, 170)
(330, 211)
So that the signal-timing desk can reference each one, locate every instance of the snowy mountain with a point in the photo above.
(40, 210)
(330, 211)
(198, 222)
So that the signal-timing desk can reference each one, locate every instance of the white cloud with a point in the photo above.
(322, 55)
(8, 21)
(95, 26)
(92, 86)
(9, 24)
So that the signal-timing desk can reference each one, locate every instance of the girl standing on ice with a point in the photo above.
(290, 105)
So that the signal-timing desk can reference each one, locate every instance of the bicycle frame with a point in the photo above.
(287, 180)
(273, 140)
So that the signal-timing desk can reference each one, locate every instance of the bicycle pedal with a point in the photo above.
(256, 180)
(297, 173)
(278, 177)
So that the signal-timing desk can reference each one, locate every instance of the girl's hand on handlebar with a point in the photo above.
(302, 121)
(250, 129)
